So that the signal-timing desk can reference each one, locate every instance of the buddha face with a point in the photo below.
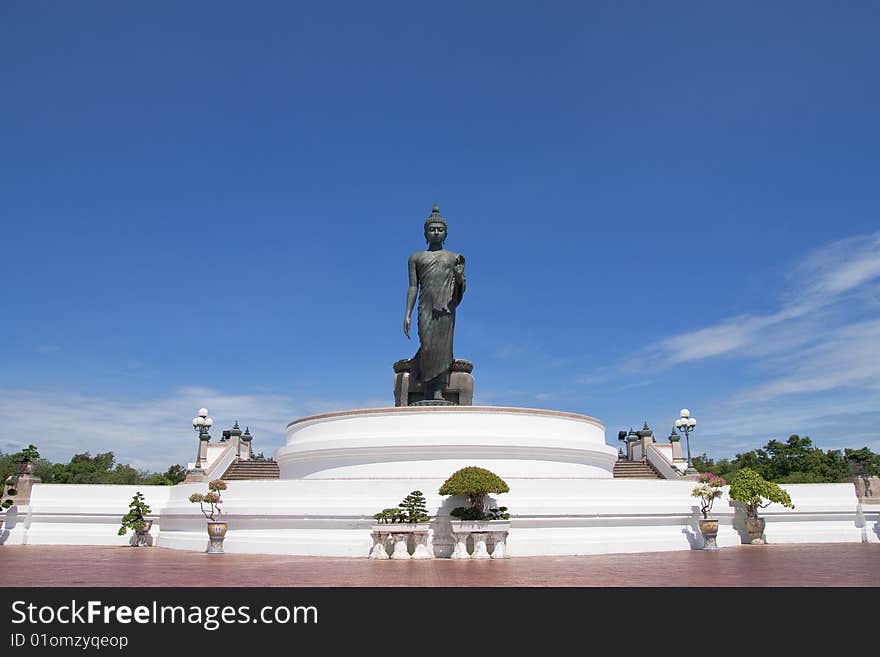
(435, 233)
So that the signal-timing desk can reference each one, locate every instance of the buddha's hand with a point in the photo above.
(406, 322)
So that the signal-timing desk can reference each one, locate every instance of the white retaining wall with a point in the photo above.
(78, 514)
(332, 517)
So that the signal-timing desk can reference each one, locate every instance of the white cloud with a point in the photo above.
(832, 420)
(841, 266)
(727, 336)
(813, 365)
(824, 280)
(849, 356)
(151, 434)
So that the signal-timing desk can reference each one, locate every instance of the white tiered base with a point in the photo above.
(435, 441)
(339, 469)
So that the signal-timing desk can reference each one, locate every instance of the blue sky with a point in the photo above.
(661, 205)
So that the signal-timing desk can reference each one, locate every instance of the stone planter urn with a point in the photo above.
(755, 528)
(25, 467)
(142, 535)
(480, 530)
(216, 534)
(709, 530)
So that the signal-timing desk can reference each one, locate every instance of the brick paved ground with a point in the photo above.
(844, 564)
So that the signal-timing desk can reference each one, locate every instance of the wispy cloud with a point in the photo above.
(812, 365)
(847, 357)
(840, 267)
(149, 434)
(824, 280)
(833, 419)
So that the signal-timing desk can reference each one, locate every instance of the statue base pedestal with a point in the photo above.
(459, 392)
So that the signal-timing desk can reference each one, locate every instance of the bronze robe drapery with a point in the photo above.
(439, 296)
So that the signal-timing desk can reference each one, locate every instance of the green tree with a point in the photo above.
(173, 475)
(703, 463)
(865, 458)
(99, 469)
(757, 460)
(794, 461)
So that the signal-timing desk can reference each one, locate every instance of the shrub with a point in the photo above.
(497, 514)
(473, 513)
(476, 483)
(755, 492)
(467, 513)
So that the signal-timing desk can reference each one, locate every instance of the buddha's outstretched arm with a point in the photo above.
(411, 292)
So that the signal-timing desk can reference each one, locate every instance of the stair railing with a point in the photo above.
(221, 464)
(657, 459)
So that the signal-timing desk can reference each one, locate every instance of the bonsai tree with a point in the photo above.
(476, 483)
(29, 453)
(387, 516)
(414, 509)
(135, 519)
(411, 509)
(498, 514)
(7, 492)
(708, 490)
(212, 499)
(750, 488)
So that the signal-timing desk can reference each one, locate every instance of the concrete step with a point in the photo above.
(634, 470)
(244, 470)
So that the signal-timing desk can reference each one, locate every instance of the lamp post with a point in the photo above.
(202, 424)
(687, 423)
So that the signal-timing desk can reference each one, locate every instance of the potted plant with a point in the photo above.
(708, 489)
(25, 459)
(414, 509)
(388, 516)
(476, 520)
(210, 505)
(750, 488)
(7, 492)
(136, 521)
(409, 518)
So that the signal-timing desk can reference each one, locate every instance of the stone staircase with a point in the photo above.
(625, 469)
(240, 470)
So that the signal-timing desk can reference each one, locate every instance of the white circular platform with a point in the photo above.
(435, 441)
